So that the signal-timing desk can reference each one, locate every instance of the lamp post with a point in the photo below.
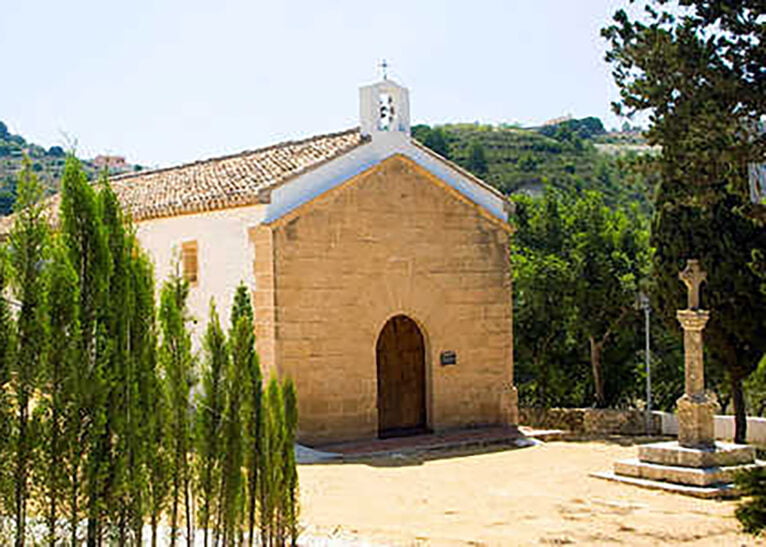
(643, 300)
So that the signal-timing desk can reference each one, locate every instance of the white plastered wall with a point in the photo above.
(225, 256)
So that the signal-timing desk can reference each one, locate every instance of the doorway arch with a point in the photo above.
(401, 366)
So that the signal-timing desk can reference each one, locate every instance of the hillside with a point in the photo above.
(525, 160)
(47, 163)
(573, 155)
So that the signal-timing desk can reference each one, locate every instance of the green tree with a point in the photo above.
(232, 483)
(697, 67)
(434, 138)
(610, 258)
(63, 357)
(724, 239)
(290, 499)
(210, 409)
(83, 233)
(28, 256)
(543, 301)
(177, 364)
(159, 460)
(271, 472)
(242, 310)
(7, 347)
(477, 159)
(144, 404)
(751, 511)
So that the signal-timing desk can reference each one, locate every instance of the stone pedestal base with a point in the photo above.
(702, 472)
(696, 419)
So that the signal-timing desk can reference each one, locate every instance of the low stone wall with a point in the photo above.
(590, 421)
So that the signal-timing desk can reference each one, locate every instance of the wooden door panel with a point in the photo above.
(400, 356)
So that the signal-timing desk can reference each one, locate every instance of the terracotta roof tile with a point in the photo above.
(228, 181)
(220, 183)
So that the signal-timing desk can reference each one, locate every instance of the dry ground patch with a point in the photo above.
(536, 495)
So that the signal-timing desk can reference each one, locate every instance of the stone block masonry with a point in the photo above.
(393, 240)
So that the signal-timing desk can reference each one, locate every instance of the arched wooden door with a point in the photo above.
(401, 363)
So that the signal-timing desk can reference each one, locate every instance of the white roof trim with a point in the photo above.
(304, 188)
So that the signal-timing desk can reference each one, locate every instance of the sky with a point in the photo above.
(164, 82)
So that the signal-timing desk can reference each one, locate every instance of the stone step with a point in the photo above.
(691, 476)
(722, 455)
(724, 491)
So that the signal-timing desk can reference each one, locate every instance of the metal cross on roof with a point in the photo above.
(693, 276)
(384, 69)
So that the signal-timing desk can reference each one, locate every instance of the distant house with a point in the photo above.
(112, 163)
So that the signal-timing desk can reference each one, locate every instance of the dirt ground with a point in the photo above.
(536, 495)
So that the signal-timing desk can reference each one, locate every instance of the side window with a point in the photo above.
(190, 262)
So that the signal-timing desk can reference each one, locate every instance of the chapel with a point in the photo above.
(379, 271)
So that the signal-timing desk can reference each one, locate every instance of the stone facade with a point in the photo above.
(392, 240)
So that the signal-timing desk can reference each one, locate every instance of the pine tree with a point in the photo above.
(176, 359)
(28, 256)
(63, 296)
(242, 308)
(209, 414)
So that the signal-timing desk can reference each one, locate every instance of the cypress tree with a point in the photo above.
(210, 407)
(83, 233)
(233, 456)
(144, 402)
(290, 472)
(252, 405)
(271, 468)
(63, 296)
(176, 359)
(121, 495)
(7, 347)
(159, 457)
(28, 248)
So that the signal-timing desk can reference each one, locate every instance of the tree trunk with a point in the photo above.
(73, 503)
(251, 507)
(740, 413)
(598, 377)
(21, 473)
(54, 454)
(188, 502)
(154, 528)
(174, 509)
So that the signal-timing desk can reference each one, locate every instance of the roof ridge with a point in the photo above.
(124, 176)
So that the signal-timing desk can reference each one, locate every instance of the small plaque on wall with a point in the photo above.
(448, 358)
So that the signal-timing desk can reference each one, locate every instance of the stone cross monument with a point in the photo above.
(696, 465)
(696, 408)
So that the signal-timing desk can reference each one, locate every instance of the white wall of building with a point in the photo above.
(225, 255)
(723, 427)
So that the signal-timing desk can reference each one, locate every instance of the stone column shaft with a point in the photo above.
(694, 367)
(696, 409)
